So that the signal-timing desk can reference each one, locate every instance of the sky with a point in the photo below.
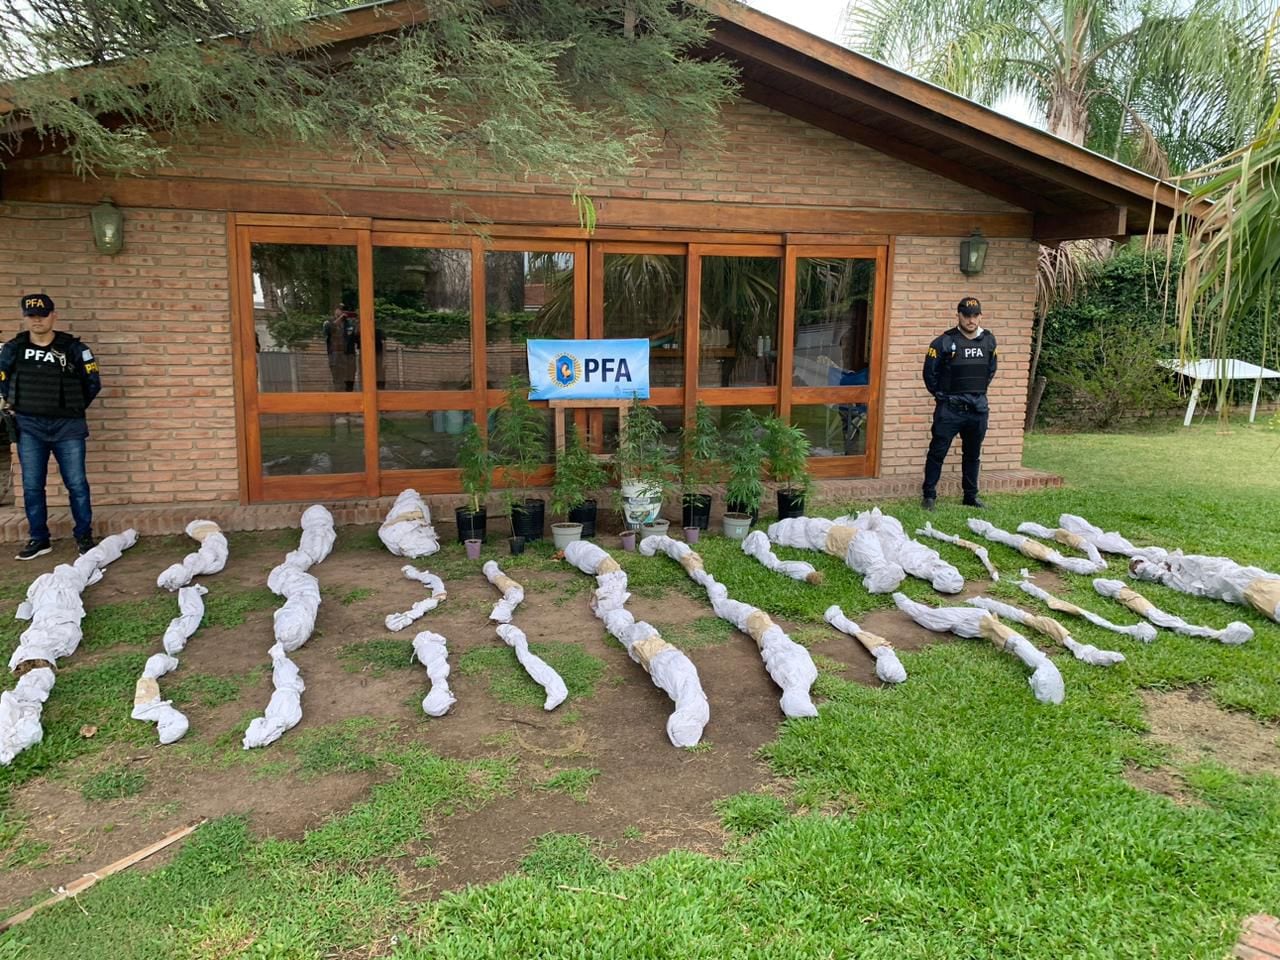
(825, 18)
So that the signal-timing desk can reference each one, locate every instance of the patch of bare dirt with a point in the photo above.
(1198, 729)
(1163, 781)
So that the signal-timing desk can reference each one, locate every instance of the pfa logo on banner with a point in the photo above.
(588, 369)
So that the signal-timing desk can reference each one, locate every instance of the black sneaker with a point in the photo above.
(927, 503)
(85, 544)
(33, 549)
(975, 503)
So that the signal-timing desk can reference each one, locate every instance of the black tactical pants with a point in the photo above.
(950, 418)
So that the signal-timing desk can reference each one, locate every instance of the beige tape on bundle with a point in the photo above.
(872, 642)
(757, 623)
(691, 562)
(26, 666)
(145, 690)
(607, 565)
(1049, 627)
(645, 650)
(1036, 550)
(1135, 602)
(995, 631)
(207, 529)
(1264, 594)
(1073, 540)
(505, 583)
(1063, 606)
(405, 517)
(838, 540)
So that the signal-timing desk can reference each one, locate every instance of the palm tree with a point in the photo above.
(1164, 85)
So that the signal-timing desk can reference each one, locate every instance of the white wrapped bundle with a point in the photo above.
(1051, 628)
(788, 663)
(915, 558)
(284, 709)
(1045, 680)
(211, 557)
(756, 544)
(977, 549)
(407, 530)
(1143, 632)
(1233, 633)
(55, 609)
(1032, 548)
(1217, 578)
(888, 667)
(432, 651)
(1066, 538)
(171, 724)
(1110, 542)
(190, 613)
(20, 710)
(859, 549)
(398, 621)
(535, 666)
(512, 593)
(670, 670)
(318, 535)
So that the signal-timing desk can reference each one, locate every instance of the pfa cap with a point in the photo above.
(970, 307)
(37, 305)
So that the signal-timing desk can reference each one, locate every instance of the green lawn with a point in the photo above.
(951, 817)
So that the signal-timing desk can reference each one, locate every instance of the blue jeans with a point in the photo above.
(33, 453)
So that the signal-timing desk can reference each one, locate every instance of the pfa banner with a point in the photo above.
(588, 369)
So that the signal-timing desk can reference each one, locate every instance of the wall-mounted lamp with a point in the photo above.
(108, 227)
(973, 253)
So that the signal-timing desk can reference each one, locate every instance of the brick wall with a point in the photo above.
(157, 316)
(927, 285)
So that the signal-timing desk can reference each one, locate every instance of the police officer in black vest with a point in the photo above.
(958, 368)
(50, 378)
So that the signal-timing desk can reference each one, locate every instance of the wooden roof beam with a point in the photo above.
(1090, 225)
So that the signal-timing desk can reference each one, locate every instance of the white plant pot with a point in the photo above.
(737, 525)
(657, 528)
(565, 533)
(641, 502)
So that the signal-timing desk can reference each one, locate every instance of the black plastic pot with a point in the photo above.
(696, 510)
(471, 526)
(585, 514)
(516, 544)
(528, 519)
(790, 504)
(732, 506)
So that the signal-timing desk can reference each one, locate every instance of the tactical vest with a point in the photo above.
(46, 380)
(966, 364)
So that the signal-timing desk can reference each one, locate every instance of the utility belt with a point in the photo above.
(965, 402)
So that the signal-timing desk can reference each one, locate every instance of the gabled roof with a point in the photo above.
(1073, 192)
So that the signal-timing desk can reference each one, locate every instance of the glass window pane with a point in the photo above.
(644, 299)
(527, 295)
(305, 314)
(421, 441)
(422, 318)
(311, 443)
(738, 330)
(834, 319)
(834, 429)
(671, 418)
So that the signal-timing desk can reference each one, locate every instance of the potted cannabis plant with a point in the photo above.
(700, 466)
(519, 438)
(477, 477)
(644, 474)
(786, 447)
(578, 475)
(744, 489)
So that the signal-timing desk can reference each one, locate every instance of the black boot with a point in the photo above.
(927, 503)
(974, 502)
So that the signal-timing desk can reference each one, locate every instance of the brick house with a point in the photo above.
(232, 329)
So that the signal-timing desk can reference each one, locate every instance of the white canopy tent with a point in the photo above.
(1202, 370)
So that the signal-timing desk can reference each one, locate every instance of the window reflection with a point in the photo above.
(527, 294)
(834, 313)
(738, 329)
(305, 317)
(422, 318)
(834, 429)
(421, 441)
(644, 299)
(305, 444)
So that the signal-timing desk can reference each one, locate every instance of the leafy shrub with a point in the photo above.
(1107, 375)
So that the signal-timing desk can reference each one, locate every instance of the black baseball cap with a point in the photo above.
(970, 307)
(37, 305)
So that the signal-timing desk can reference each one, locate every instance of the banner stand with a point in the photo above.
(560, 406)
